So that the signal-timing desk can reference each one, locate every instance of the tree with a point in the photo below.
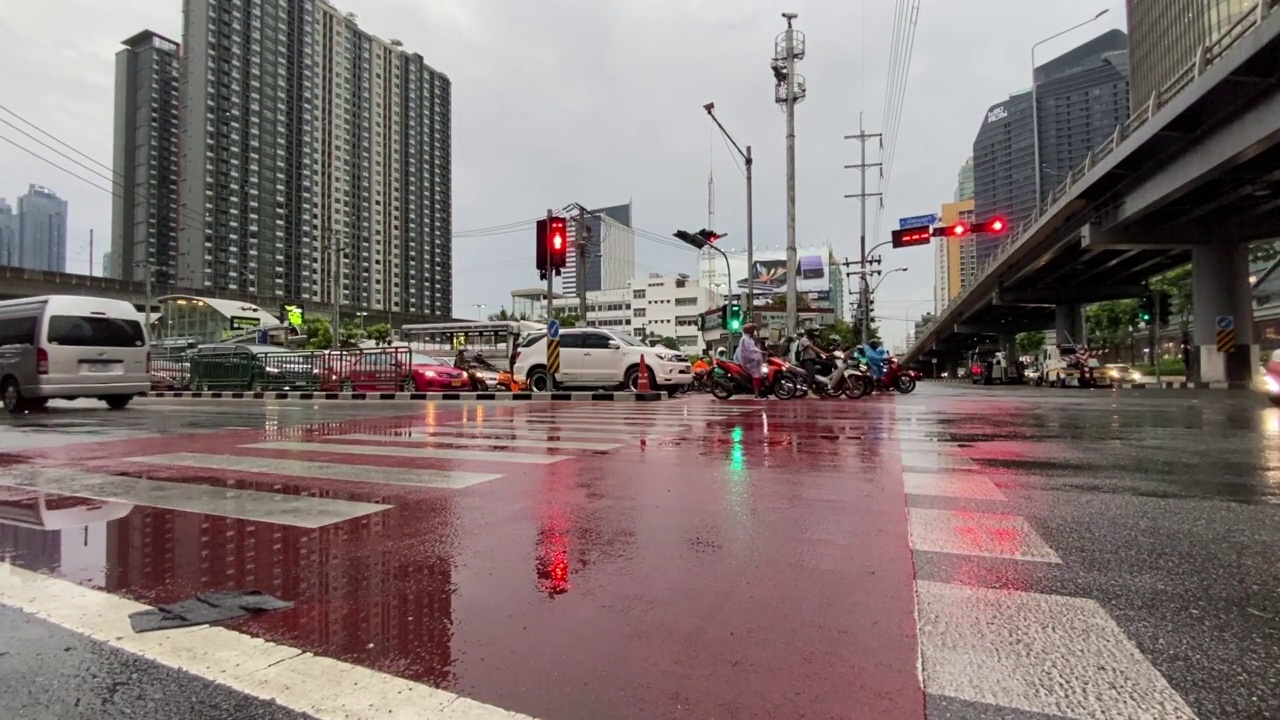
(1177, 283)
(779, 302)
(670, 343)
(352, 333)
(505, 315)
(319, 333)
(566, 318)
(380, 333)
(1030, 343)
(1112, 325)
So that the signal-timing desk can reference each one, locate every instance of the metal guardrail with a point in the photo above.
(1210, 53)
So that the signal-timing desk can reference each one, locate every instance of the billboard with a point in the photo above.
(770, 274)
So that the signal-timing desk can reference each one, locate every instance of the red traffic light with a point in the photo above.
(958, 229)
(910, 237)
(556, 231)
(997, 225)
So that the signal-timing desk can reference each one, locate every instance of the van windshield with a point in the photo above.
(81, 331)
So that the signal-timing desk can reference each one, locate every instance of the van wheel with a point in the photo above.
(538, 380)
(118, 402)
(11, 396)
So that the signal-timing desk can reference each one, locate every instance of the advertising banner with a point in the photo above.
(769, 272)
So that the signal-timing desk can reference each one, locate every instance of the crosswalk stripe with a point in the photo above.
(391, 451)
(934, 460)
(1024, 638)
(970, 486)
(623, 421)
(536, 433)
(574, 425)
(626, 416)
(295, 510)
(973, 533)
(429, 438)
(422, 477)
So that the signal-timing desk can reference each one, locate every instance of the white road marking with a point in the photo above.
(547, 425)
(421, 477)
(934, 460)
(970, 486)
(1050, 654)
(485, 430)
(973, 533)
(431, 439)
(390, 451)
(316, 686)
(295, 510)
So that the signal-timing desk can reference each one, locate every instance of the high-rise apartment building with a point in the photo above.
(42, 230)
(964, 181)
(319, 157)
(1003, 160)
(1165, 35)
(611, 252)
(949, 255)
(1081, 96)
(144, 211)
(8, 234)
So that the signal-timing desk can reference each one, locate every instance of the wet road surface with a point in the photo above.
(957, 553)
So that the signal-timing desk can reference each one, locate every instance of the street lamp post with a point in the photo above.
(479, 310)
(883, 277)
(1035, 104)
(746, 159)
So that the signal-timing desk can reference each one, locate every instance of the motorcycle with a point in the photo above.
(730, 378)
(701, 381)
(1271, 379)
(896, 378)
(844, 379)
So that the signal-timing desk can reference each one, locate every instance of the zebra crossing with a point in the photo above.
(453, 455)
(1055, 655)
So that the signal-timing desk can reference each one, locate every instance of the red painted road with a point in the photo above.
(714, 573)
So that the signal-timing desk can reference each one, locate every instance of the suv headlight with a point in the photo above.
(666, 357)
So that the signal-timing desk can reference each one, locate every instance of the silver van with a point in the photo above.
(71, 346)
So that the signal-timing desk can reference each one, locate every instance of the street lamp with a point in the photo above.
(1035, 104)
(362, 315)
(746, 159)
(479, 310)
(884, 276)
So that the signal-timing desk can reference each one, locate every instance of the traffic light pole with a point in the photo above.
(550, 273)
(584, 250)
(1155, 344)
(748, 161)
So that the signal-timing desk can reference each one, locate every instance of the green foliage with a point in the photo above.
(670, 343)
(1111, 324)
(319, 333)
(1030, 343)
(568, 319)
(352, 333)
(505, 315)
(1177, 283)
(1167, 368)
(380, 333)
(779, 302)
(844, 334)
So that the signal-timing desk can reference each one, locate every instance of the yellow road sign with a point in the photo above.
(553, 357)
(1226, 340)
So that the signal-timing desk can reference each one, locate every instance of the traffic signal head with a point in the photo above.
(733, 317)
(557, 242)
(912, 236)
(994, 226)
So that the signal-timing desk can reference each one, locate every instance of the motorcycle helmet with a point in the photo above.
(749, 328)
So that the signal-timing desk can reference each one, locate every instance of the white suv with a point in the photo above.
(596, 357)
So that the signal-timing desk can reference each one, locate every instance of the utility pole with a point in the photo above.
(584, 252)
(90, 252)
(335, 256)
(790, 90)
(862, 167)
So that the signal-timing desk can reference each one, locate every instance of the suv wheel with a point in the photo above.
(538, 380)
(633, 377)
(11, 395)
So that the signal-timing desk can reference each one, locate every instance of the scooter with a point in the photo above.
(1271, 379)
(730, 378)
(843, 379)
(896, 377)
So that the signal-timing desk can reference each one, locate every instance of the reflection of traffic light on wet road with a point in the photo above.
(553, 556)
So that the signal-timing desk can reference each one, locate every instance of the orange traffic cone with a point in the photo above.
(642, 381)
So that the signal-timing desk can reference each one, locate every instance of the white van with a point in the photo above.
(71, 346)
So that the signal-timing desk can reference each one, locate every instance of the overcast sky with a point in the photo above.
(599, 102)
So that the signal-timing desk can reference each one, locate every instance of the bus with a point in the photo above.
(497, 340)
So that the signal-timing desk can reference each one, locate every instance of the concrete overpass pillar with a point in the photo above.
(1069, 324)
(1220, 288)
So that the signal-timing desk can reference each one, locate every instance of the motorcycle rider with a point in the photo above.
(812, 357)
(750, 356)
(876, 357)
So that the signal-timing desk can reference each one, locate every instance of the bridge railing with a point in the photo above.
(1210, 52)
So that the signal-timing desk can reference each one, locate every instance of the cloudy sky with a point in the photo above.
(558, 101)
